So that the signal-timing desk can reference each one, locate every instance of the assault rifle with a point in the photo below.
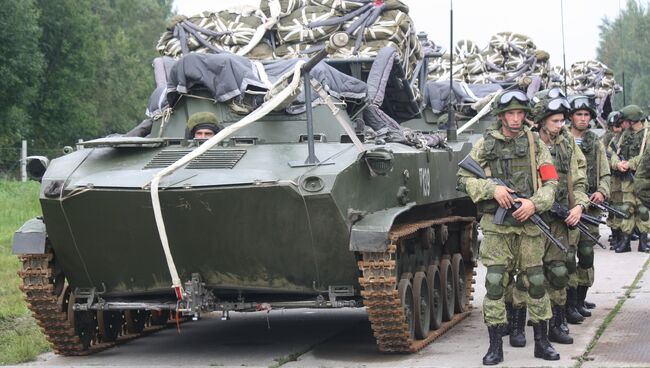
(627, 175)
(562, 212)
(604, 206)
(469, 164)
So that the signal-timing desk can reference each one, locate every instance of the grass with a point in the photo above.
(20, 337)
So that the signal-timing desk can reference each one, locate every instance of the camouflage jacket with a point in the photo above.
(642, 179)
(628, 139)
(483, 189)
(598, 172)
(576, 168)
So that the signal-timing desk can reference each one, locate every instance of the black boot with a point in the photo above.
(555, 332)
(614, 239)
(543, 348)
(643, 243)
(589, 305)
(505, 330)
(581, 293)
(517, 332)
(564, 326)
(623, 244)
(495, 351)
(572, 314)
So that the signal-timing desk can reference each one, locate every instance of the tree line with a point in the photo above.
(74, 69)
(625, 48)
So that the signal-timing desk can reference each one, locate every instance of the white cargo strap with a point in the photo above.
(259, 113)
(484, 111)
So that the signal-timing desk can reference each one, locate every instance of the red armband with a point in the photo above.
(547, 172)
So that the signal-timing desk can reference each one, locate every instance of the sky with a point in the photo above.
(477, 20)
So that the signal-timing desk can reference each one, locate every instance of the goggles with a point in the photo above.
(507, 97)
(581, 103)
(556, 92)
(614, 118)
(557, 104)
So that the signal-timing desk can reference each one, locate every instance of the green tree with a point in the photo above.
(625, 47)
(21, 69)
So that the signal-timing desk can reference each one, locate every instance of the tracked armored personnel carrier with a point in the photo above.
(291, 205)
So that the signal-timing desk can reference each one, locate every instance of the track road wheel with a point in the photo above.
(160, 318)
(135, 320)
(435, 310)
(447, 286)
(460, 288)
(85, 325)
(405, 292)
(421, 305)
(109, 324)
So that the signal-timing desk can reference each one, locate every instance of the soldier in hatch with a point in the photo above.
(203, 125)
(560, 268)
(625, 161)
(511, 152)
(598, 175)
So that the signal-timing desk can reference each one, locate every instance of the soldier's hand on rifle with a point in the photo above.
(597, 197)
(623, 166)
(503, 197)
(574, 216)
(526, 210)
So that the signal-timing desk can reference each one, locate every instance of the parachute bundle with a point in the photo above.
(282, 29)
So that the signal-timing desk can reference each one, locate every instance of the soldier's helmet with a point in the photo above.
(510, 100)
(582, 103)
(547, 106)
(551, 93)
(632, 113)
(202, 120)
(614, 118)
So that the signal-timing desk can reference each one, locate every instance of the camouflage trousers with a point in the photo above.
(556, 261)
(518, 253)
(585, 254)
(639, 216)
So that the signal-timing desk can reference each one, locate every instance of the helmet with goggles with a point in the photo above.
(546, 107)
(510, 100)
(614, 119)
(578, 103)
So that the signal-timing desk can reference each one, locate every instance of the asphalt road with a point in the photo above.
(342, 338)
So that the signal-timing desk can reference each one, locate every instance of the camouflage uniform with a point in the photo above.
(642, 179)
(615, 192)
(598, 177)
(513, 248)
(560, 267)
(629, 146)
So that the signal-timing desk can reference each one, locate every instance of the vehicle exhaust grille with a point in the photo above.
(212, 159)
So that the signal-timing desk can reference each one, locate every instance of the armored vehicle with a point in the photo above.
(308, 209)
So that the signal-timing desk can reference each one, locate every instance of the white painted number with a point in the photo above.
(425, 181)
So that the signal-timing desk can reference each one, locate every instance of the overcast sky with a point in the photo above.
(477, 20)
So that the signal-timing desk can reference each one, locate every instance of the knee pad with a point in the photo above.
(496, 281)
(535, 278)
(643, 213)
(586, 257)
(557, 275)
(570, 262)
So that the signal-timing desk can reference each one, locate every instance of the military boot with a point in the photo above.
(623, 244)
(643, 243)
(543, 348)
(581, 293)
(572, 314)
(614, 239)
(517, 332)
(494, 354)
(555, 332)
(505, 330)
(589, 305)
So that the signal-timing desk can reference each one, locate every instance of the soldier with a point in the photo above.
(570, 163)
(511, 152)
(616, 127)
(203, 125)
(598, 175)
(625, 161)
(642, 186)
